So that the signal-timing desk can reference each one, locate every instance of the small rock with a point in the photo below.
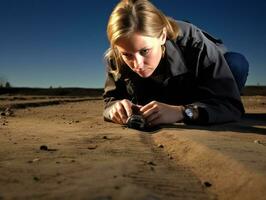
(92, 146)
(207, 184)
(160, 146)
(257, 141)
(105, 137)
(43, 148)
(151, 163)
(34, 160)
(36, 178)
(8, 112)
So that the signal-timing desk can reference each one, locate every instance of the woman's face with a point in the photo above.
(141, 53)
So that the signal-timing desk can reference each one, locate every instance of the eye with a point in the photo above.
(144, 52)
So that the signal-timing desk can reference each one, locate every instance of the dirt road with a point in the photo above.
(67, 151)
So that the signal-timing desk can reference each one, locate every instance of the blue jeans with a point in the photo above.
(239, 67)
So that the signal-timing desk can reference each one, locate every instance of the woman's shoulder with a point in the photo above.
(185, 27)
(190, 32)
(186, 31)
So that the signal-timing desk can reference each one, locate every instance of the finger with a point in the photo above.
(120, 110)
(114, 116)
(127, 107)
(147, 106)
(117, 118)
(151, 111)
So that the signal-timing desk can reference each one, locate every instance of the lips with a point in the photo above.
(144, 72)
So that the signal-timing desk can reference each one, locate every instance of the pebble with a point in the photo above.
(7, 112)
(105, 137)
(257, 141)
(171, 157)
(151, 163)
(43, 148)
(36, 178)
(92, 146)
(207, 184)
(160, 146)
(34, 160)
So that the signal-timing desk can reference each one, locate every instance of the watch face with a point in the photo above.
(189, 113)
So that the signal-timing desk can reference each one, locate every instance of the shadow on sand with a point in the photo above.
(250, 123)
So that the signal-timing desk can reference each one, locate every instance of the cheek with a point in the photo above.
(129, 63)
(154, 59)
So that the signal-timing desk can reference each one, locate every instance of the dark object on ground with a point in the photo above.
(207, 184)
(136, 122)
(43, 148)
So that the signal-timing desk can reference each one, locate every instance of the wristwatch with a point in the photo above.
(191, 113)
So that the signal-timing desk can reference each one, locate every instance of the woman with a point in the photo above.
(170, 71)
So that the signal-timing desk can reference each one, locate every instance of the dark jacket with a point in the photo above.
(193, 71)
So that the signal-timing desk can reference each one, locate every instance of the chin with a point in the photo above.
(145, 74)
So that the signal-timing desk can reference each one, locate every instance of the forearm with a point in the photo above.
(213, 111)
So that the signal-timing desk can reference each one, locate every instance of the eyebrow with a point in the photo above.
(144, 48)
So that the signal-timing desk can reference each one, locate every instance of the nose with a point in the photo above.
(138, 62)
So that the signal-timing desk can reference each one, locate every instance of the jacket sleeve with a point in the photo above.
(220, 98)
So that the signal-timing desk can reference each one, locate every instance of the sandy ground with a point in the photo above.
(67, 151)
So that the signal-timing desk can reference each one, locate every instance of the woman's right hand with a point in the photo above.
(120, 111)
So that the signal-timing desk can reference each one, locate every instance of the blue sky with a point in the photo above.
(56, 43)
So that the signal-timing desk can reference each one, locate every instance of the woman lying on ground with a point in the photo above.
(168, 70)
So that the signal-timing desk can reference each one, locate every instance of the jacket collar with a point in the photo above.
(175, 58)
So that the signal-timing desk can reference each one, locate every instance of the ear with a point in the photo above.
(163, 36)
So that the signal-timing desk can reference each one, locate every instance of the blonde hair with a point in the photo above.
(131, 16)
